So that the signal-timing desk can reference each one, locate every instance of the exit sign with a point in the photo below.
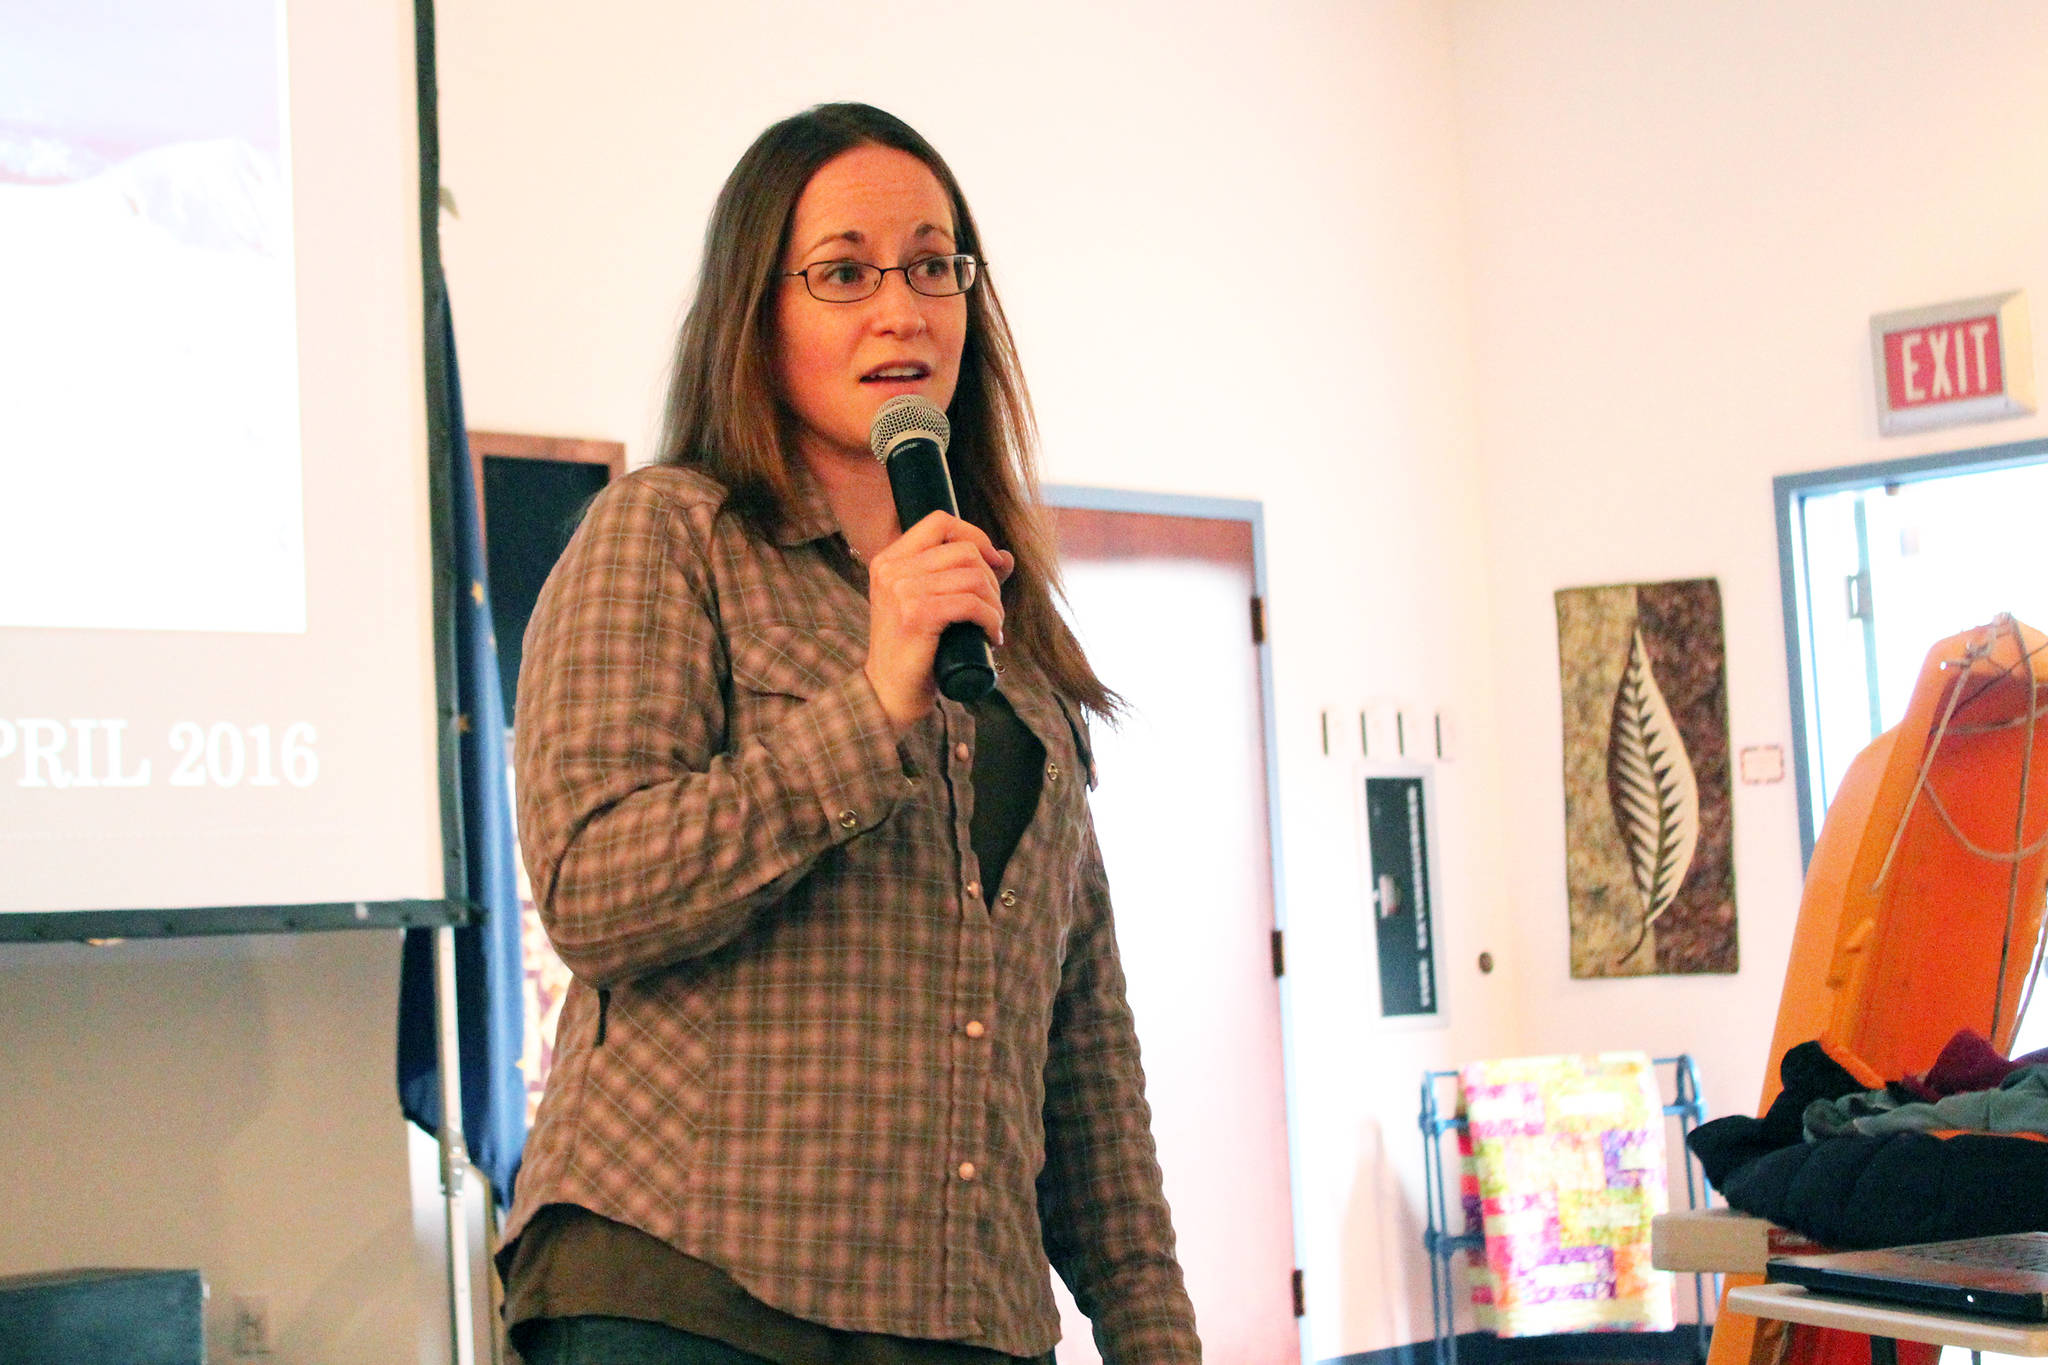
(1952, 363)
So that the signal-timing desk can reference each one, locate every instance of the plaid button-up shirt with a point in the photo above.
(803, 1043)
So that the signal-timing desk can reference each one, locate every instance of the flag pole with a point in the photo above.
(454, 1156)
(441, 446)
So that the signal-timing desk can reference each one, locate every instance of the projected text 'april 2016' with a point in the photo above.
(75, 754)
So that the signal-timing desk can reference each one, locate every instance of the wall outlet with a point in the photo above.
(250, 1333)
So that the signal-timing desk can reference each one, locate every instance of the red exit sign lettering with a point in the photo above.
(1968, 361)
(1942, 363)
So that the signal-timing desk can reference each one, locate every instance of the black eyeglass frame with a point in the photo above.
(883, 273)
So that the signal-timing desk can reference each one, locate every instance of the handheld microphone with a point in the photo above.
(909, 436)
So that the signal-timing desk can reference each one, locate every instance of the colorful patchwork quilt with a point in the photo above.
(1562, 1169)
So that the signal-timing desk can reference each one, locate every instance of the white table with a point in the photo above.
(1887, 1326)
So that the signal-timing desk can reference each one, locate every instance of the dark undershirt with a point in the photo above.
(1009, 766)
(570, 1262)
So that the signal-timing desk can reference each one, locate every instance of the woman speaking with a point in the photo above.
(847, 1058)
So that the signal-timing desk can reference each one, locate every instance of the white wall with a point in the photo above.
(1281, 190)
(1682, 218)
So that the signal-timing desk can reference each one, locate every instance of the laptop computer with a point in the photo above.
(2000, 1277)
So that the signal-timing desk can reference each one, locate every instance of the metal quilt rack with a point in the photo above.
(1442, 1245)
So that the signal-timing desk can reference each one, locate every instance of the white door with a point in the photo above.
(1163, 607)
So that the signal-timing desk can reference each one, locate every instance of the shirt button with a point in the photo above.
(974, 891)
(974, 1028)
(1009, 896)
(967, 1170)
(962, 752)
(1052, 772)
(847, 819)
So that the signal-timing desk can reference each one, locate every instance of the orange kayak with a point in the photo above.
(1923, 903)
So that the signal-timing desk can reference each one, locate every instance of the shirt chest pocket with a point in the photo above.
(777, 669)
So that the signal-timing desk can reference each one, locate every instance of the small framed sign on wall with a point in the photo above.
(1949, 364)
(1400, 890)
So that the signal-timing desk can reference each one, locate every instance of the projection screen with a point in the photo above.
(217, 650)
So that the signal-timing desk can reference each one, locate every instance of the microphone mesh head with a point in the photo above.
(905, 416)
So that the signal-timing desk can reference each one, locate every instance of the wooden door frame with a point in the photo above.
(520, 446)
(1085, 499)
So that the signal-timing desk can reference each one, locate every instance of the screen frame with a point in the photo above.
(453, 908)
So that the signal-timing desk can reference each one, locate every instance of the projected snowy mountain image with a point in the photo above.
(149, 433)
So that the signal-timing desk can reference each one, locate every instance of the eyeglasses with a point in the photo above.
(935, 277)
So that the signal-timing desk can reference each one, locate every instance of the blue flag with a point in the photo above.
(489, 971)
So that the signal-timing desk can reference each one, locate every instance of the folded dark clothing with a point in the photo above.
(1860, 1191)
(1827, 1118)
(1725, 1145)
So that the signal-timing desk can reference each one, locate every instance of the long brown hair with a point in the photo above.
(726, 417)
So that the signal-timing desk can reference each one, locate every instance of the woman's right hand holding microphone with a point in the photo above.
(940, 571)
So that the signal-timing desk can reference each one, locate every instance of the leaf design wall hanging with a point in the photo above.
(1651, 784)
